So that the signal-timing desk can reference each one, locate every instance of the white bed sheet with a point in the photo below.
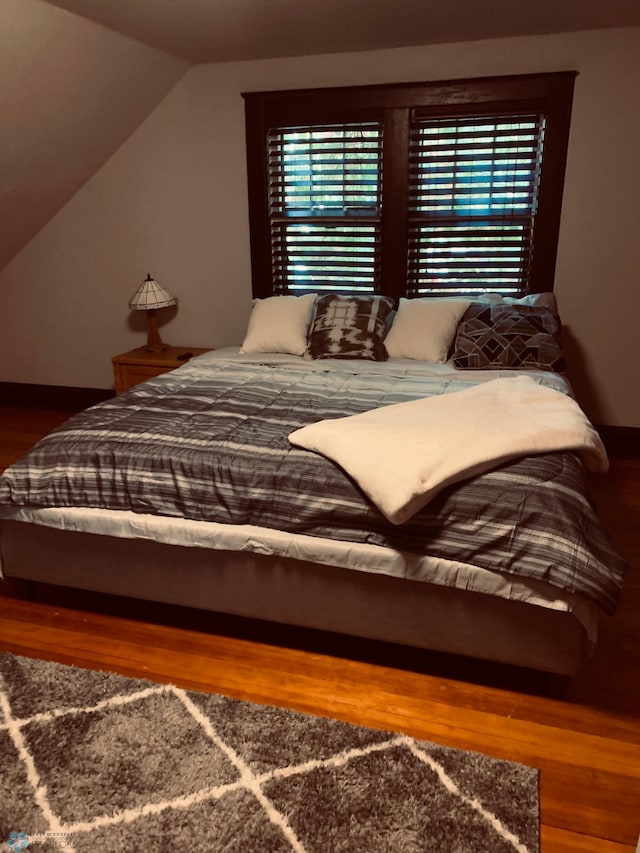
(391, 367)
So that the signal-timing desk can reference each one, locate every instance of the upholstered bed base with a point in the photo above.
(297, 593)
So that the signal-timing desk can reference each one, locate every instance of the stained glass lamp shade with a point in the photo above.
(149, 297)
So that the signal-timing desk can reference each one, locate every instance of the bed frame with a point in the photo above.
(294, 592)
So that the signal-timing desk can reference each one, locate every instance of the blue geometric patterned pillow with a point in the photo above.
(495, 335)
(350, 327)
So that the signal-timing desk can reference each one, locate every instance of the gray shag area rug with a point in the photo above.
(93, 761)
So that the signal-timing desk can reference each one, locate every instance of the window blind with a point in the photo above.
(473, 190)
(325, 206)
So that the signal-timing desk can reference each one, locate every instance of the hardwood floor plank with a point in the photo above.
(603, 805)
(557, 840)
(105, 630)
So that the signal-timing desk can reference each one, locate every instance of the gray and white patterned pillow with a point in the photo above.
(350, 327)
(496, 335)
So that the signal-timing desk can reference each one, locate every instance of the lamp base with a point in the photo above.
(154, 341)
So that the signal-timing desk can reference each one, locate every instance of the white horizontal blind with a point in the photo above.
(473, 188)
(325, 204)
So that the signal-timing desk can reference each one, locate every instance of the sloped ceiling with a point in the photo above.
(71, 92)
(78, 76)
(224, 30)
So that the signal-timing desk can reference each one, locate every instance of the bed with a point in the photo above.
(194, 489)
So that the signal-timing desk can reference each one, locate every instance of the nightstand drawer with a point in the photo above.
(131, 368)
(138, 373)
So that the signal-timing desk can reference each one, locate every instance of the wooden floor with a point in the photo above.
(586, 746)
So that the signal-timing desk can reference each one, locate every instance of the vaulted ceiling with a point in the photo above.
(78, 76)
(226, 30)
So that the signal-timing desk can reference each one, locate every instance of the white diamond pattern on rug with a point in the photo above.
(155, 767)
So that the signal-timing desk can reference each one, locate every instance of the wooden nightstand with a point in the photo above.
(135, 366)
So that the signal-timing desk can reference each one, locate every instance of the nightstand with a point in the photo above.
(136, 366)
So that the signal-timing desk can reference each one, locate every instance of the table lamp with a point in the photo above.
(149, 297)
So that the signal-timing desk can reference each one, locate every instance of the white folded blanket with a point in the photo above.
(404, 454)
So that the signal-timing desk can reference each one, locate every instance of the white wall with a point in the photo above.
(71, 92)
(172, 202)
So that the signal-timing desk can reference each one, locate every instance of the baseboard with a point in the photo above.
(621, 441)
(52, 396)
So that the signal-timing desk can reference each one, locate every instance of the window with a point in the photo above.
(325, 202)
(473, 191)
(408, 190)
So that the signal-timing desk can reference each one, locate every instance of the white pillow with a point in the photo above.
(424, 328)
(279, 324)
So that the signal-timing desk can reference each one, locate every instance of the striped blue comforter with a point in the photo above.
(212, 445)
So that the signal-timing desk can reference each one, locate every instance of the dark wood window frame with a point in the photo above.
(397, 107)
